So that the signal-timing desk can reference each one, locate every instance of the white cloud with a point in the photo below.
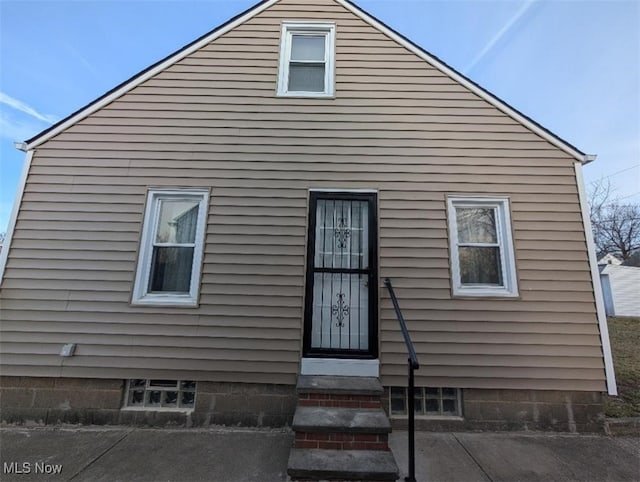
(76, 53)
(22, 107)
(501, 33)
(18, 130)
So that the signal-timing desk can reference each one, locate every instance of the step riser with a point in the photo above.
(341, 441)
(341, 431)
(334, 400)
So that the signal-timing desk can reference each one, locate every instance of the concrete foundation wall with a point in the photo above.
(31, 400)
(540, 410)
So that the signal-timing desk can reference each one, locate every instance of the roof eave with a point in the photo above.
(589, 158)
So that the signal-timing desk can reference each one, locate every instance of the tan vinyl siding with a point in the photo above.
(212, 120)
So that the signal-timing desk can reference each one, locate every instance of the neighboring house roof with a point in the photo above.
(620, 286)
(620, 269)
(609, 259)
(248, 14)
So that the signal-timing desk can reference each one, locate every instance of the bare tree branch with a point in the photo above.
(616, 225)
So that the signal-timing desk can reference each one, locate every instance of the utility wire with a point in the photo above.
(630, 195)
(621, 171)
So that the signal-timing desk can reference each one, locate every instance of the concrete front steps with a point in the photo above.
(341, 431)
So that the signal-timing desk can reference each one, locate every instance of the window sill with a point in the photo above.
(166, 302)
(157, 409)
(485, 293)
(306, 95)
(452, 418)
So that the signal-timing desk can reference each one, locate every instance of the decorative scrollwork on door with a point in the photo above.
(340, 310)
(342, 233)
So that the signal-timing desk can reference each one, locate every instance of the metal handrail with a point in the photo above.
(413, 365)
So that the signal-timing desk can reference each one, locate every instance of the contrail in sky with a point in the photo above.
(496, 38)
(22, 107)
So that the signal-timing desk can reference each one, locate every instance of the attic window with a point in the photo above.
(307, 60)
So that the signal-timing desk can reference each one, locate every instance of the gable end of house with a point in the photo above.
(242, 17)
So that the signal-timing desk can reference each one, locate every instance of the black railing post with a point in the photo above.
(413, 365)
(412, 426)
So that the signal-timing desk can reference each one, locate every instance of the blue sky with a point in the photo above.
(571, 65)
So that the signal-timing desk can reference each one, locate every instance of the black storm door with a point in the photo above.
(341, 286)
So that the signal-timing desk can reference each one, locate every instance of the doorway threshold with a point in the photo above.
(340, 367)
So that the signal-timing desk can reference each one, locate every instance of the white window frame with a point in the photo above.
(297, 28)
(500, 205)
(141, 296)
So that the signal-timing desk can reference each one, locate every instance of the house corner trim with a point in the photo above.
(4, 255)
(597, 287)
